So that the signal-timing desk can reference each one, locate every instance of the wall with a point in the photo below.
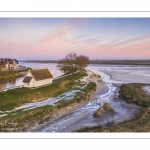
(43, 82)
(29, 74)
(26, 85)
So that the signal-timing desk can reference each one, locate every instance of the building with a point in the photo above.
(13, 64)
(4, 68)
(37, 77)
(9, 63)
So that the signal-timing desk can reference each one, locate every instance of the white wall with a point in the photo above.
(26, 84)
(43, 82)
(29, 74)
(7, 65)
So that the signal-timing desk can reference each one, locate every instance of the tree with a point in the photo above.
(71, 59)
(72, 62)
(82, 61)
(67, 64)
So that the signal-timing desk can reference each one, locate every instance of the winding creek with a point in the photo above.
(108, 90)
(112, 78)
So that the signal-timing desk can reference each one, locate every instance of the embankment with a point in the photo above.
(9, 75)
(33, 120)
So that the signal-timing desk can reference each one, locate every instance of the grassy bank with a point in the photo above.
(9, 76)
(17, 97)
(44, 113)
(132, 93)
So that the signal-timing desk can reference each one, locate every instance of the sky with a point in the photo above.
(53, 38)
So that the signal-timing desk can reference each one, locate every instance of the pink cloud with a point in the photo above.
(140, 48)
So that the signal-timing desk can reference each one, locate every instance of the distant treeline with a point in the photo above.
(121, 62)
(110, 62)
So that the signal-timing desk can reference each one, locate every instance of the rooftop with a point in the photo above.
(41, 74)
(27, 79)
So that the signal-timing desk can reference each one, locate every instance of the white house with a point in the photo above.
(37, 77)
(12, 64)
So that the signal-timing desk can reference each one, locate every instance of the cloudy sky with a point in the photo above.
(53, 38)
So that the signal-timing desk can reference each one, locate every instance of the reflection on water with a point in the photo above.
(13, 83)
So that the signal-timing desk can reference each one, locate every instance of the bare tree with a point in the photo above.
(71, 59)
(82, 61)
(67, 64)
(72, 62)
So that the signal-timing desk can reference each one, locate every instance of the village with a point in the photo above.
(8, 64)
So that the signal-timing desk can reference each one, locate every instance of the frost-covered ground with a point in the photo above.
(51, 101)
(124, 74)
(147, 89)
(112, 78)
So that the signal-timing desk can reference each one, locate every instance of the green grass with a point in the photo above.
(17, 97)
(132, 93)
(44, 113)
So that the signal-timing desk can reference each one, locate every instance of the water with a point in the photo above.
(51, 66)
(13, 83)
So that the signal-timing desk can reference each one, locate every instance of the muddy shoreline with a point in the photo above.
(82, 117)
